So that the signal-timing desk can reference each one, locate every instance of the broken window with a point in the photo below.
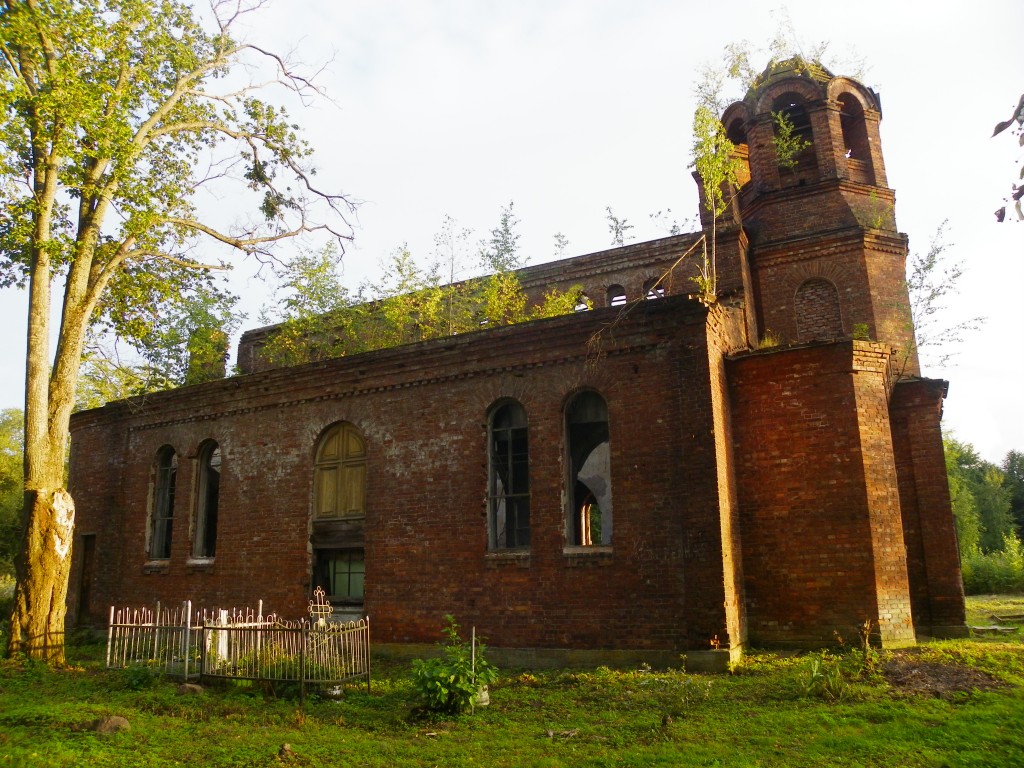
(204, 543)
(340, 474)
(616, 296)
(163, 504)
(342, 574)
(509, 485)
(589, 461)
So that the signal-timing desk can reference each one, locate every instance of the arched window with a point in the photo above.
(653, 289)
(340, 473)
(855, 139)
(737, 134)
(794, 138)
(616, 296)
(162, 514)
(817, 311)
(339, 506)
(589, 491)
(204, 543)
(508, 489)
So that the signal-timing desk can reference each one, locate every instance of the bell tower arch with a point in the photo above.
(823, 212)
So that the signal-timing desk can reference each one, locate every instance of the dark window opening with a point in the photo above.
(855, 132)
(790, 108)
(589, 459)
(616, 296)
(737, 135)
(509, 486)
(163, 504)
(208, 496)
(342, 574)
(653, 289)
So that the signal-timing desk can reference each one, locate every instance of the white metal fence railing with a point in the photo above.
(244, 645)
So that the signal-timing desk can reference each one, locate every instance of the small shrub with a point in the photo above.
(824, 678)
(447, 683)
(139, 677)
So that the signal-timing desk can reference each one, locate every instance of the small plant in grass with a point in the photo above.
(824, 678)
(449, 683)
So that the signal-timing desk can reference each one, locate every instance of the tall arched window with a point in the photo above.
(339, 506)
(162, 514)
(855, 139)
(340, 474)
(509, 484)
(204, 543)
(817, 310)
(589, 490)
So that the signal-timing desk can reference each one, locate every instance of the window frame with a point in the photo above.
(161, 516)
(516, 468)
(208, 477)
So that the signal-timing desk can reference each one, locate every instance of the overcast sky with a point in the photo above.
(565, 107)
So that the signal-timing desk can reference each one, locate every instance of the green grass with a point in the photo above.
(761, 715)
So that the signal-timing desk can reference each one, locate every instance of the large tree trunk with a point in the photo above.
(42, 568)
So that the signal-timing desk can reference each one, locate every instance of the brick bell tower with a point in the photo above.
(814, 239)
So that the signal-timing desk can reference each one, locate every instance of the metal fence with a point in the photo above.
(240, 645)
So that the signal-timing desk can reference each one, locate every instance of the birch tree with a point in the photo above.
(118, 113)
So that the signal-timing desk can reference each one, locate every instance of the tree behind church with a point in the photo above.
(116, 113)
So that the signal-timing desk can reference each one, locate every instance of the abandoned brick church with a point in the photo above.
(648, 477)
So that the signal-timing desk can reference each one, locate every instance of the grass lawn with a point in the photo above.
(950, 703)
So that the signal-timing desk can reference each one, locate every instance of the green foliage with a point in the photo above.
(824, 677)
(409, 303)
(996, 572)
(788, 143)
(500, 252)
(757, 716)
(981, 500)
(12, 489)
(1013, 477)
(448, 683)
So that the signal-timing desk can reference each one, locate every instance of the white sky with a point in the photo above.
(568, 106)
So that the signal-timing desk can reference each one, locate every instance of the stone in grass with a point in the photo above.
(189, 689)
(111, 724)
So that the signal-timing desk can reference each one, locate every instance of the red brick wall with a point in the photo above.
(820, 553)
(422, 411)
(928, 528)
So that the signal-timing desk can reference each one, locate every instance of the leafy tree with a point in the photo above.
(619, 228)
(188, 346)
(561, 243)
(1013, 469)
(500, 252)
(981, 500)
(116, 113)
(12, 485)
(961, 460)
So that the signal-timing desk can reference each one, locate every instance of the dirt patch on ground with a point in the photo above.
(908, 674)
